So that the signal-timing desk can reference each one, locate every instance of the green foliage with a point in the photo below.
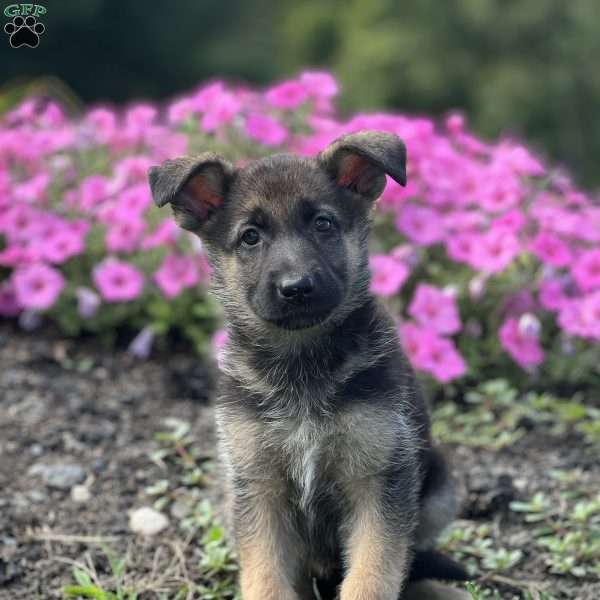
(568, 534)
(496, 414)
(88, 585)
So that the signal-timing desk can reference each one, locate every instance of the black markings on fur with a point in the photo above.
(430, 564)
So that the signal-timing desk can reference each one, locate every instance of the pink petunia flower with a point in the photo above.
(524, 348)
(175, 274)
(103, 123)
(586, 270)
(435, 309)
(220, 113)
(93, 190)
(590, 315)
(443, 360)
(63, 244)
(517, 158)
(180, 110)
(286, 95)
(265, 129)
(496, 251)
(207, 96)
(500, 191)
(139, 117)
(319, 84)
(388, 274)
(462, 247)
(33, 190)
(550, 249)
(166, 233)
(321, 87)
(429, 352)
(22, 252)
(552, 294)
(416, 341)
(117, 280)
(513, 221)
(421, 224)
(581, 316)
(132, 170)
(37, 286)
(20, 222)
(124, 235)
(134, 200)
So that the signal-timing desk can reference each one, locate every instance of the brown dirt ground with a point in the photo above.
(70, 402)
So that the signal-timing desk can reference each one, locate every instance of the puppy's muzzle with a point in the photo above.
(296, 290)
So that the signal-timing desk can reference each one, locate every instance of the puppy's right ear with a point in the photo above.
(195, 186)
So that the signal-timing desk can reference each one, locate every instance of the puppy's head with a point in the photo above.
(287, 236)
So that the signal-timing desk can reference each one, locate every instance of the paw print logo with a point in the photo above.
(24, 32)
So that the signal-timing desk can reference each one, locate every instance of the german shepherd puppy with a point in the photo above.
(331, 477)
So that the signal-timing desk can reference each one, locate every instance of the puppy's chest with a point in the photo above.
(319, 459)
(306, 452)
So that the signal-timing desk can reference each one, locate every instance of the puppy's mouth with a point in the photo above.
(301, 319)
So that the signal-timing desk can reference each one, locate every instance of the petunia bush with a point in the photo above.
(489, 258)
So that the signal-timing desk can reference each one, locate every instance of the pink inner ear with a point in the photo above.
(351, 170)
(201, 190)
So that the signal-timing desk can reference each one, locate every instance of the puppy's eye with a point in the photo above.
(250, 237)
(323, 224)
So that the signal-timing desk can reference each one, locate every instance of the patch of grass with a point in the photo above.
(89, 584)
(474, 546)
(496, 417)
(568, 535)
(479, 592)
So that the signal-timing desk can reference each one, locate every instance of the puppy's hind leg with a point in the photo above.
(438, 507)
(438, 502)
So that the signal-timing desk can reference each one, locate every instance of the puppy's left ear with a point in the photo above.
(195, 186)
(359, 161)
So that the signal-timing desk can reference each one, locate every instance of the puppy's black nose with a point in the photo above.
(294, 288)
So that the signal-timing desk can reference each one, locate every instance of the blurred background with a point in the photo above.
(528, 68)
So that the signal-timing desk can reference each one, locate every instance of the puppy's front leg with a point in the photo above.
(268, 545)
(269, 550)
(377, 548)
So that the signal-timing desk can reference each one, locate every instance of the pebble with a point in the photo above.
(36, 449)
(80, 493)
(147, 521)
(183, 506)
(59, 476)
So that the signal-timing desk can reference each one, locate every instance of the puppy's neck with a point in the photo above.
(293, 375)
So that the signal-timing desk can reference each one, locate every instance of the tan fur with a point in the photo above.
(376, 558)
(346, 449)
(262, 577)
